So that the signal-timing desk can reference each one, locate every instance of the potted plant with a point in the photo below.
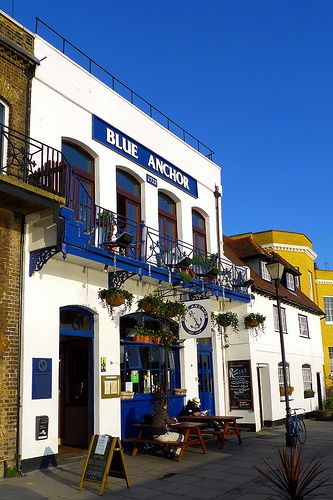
(106, 223)
(253, 320)
(309, 393)
(226, 319)
(326, 413)
(144, 334)
(185, 276)
(290, 390)
(170, 309)
(115, 297)
(150, 303)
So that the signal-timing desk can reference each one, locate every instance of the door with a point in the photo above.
(205, 376)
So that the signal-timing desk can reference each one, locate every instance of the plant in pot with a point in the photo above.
(115, 297)
(150, 303)
(170, 309)
(144, 334)
(326, 412)
(226, 319)
(185, 276)
(167, 337)
(309, 393)
(254, 320)
(106, 223)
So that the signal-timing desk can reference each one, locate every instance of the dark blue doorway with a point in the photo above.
(205, 375)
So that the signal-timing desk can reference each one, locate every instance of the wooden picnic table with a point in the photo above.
(228, 424)
(191, 431)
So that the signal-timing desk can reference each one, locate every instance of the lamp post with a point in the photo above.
(275, 269)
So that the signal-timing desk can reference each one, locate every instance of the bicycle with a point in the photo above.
(297, 425)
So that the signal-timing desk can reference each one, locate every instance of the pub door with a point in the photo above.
(205, 376)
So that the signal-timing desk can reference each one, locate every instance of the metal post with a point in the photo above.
(289, 441)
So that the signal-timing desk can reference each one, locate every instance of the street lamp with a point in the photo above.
(275, 269)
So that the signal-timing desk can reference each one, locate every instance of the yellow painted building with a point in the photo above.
(317, 284)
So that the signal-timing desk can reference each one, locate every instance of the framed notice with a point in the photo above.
(240, 385)
(110, 386)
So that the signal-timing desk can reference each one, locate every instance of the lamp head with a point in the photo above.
(275, 268)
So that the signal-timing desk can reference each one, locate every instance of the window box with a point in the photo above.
(309, 393)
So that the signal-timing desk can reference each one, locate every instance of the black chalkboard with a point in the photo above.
(240, 385)
(96, 462)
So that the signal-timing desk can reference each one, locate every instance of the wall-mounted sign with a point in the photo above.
(151, 180)
(123, 144)
(196, 322)
(42, 427)
(110, 385)
(240, 385)
(41, 378)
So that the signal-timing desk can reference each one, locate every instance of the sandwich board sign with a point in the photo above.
(105, 458)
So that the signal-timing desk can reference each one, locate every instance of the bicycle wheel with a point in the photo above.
(301, 431)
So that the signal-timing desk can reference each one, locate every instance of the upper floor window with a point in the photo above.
(82, 164)
(199, 231)
(264, 271)
(128, 198)
(276, 319)
(167, 218)
(290, 281)
(303, 325)
(328, 308)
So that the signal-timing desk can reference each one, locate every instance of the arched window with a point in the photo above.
(199, 231)
(82, 164)
(128, 196)
(167, 218)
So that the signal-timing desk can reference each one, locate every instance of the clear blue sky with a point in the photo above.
(253, 79)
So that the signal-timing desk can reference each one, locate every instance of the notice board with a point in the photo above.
(240, 385)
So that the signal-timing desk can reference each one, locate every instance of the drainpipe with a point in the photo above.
(217, 195)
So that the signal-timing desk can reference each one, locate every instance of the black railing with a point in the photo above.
(130, 95)
(44, 167)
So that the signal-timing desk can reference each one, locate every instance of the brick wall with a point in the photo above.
(13, 92)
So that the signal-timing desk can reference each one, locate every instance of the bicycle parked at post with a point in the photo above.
(297, 425)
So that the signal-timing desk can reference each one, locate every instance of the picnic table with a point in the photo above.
(191, 431)
(228, 425)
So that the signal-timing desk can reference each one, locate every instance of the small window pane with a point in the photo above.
(166, 204)
(303, 325)
(127, 183)
(198, 221)
(276, 319)
(264, 272)
(290, 282)
(78, 158)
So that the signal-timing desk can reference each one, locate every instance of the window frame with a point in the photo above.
(164, 217)
(264, 271)
(276, 319)
(301, 318)
(198, 232)
(330, 357)
(329, 309)
(307, 377)
(280, 374)
(290, 281)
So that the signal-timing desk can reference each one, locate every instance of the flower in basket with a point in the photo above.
(115, 297)
(170, 309)
(226, 319)
(290, 390)
(150, 303)
(253, 320)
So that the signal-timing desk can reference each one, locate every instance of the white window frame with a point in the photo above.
(290, 281)
(328, 308)
(303, 326)
(307, 377)
(276, 319)
(4, 148)
(264, 271)
(280, 374)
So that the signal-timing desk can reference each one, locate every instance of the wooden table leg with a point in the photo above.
(202, 441)
(183, 448)
(135, 448)
(237, 432)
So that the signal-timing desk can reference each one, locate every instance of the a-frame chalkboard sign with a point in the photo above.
(105, 458)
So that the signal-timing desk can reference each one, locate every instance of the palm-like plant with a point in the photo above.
(293, 479)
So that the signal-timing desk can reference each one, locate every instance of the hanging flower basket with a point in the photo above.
(150, 303)
(253, 320)
(115, 297)
(172, 309)
(226, 319)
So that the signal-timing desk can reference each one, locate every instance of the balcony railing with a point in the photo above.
(44, 167)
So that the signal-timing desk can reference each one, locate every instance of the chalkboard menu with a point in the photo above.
(240, 385)
(105, 458)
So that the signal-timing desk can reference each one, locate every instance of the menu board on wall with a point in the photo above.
(240, 385)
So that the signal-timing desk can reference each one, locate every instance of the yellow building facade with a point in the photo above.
(317, 284)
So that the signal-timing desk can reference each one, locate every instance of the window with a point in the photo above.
(145, 369)
(276, 319)
(330, 354)
(82, 164)
(280, 368)
(167, 219)
(3, 144)
(307, 377)
(297, 283)
(328, 308)
(290, 281)
(199, 231)
(264, 271)
(303, 326)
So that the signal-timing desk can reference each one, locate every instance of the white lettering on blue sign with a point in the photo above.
(151, 180)
(111, 137)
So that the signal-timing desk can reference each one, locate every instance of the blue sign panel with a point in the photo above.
(151, 180)
(41, 378)
(121, 143)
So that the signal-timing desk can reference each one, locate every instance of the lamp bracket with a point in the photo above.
(117, 278)
(38, 258)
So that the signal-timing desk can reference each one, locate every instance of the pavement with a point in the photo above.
(228, 474)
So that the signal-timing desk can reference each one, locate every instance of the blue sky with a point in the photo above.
(252, 79)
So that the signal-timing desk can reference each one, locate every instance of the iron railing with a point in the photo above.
(122, 89)
(42, 166)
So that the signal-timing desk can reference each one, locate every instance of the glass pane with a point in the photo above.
(78, 158)
(166, 204)
(75, 320)
(207, 383)
(127, 183)
(2, 114)
(198, 221)
(205, 362)
(134, 358)
(132, 211)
